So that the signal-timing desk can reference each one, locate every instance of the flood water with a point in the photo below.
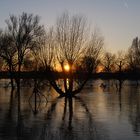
(104, 110)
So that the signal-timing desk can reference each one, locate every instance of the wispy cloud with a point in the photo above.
(125, 4)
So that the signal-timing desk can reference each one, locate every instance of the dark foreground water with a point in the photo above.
(104, 110)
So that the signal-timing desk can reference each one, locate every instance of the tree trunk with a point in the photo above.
(11, 75)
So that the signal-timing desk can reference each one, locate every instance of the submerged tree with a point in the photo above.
(72, 48)
(24, 32)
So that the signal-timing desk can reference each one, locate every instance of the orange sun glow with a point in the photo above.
(67, 67)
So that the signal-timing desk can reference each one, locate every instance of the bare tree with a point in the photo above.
(46, 53)
(108, 61)
(72, 48)
(93, 51)
(7, 53)
(7, 50)
(70, 35)
(120, 61)
(70, 32)
(133, 57)
(25, 31)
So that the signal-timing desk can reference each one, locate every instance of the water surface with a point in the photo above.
(104, 110)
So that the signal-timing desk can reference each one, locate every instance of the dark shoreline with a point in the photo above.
(46, 75)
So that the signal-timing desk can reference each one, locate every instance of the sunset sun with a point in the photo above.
(67, 67)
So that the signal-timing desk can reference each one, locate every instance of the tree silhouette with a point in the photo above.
(133, 56)
(7, 53)
(46, 52)
(92, 57)
(72, 48)
(25, 32)
(120, 61)
(108, 61)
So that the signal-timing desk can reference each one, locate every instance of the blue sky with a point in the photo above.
(118, 20)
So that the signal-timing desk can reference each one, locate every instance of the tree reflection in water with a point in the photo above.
(93, 115)
(119, 91)
(134, 108)
(129, 102)
(69, 125)
(64, 118)
(38, 85)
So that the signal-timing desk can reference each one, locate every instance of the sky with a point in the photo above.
(118, 20)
